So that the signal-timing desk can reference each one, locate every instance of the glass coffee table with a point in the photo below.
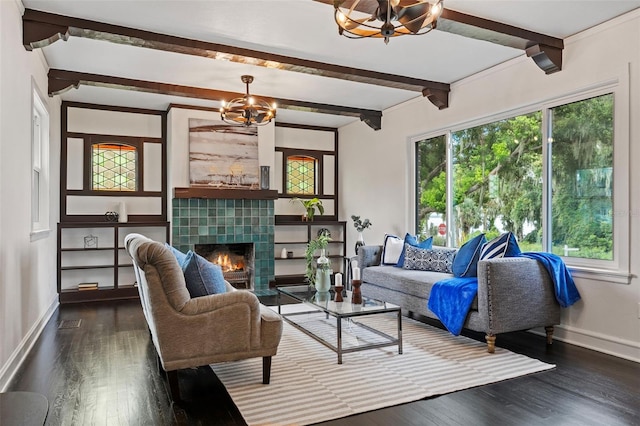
(318, 308)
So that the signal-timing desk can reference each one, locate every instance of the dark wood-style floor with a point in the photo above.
(105, 372)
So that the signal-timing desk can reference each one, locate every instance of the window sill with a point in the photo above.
(40, 234)
(601, 275)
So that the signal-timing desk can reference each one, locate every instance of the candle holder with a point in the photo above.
(356, 294)
(338, 290)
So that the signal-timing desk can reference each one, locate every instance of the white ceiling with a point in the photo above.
(296, 28)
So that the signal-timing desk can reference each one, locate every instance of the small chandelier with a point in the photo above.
(247, 110)
(392, 18)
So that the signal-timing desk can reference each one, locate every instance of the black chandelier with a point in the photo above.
(247, 110)
(391, 18)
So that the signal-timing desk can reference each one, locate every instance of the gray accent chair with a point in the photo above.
(514, 293)
(205, 330)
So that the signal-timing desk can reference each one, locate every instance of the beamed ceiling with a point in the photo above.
(155, 53)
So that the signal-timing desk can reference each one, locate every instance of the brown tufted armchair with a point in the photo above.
(205, 330)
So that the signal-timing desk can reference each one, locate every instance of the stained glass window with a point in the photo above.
(301, 175)
(114, 167)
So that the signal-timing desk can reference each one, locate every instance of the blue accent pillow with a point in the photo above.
(202, 276)
(413, 241)
(180, 256)
(465, 264)
(436, 260)
(504, 245)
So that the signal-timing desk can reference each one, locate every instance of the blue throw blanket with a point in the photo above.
(450, 299)
(566, 291)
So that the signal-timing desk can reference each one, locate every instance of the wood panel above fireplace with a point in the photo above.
(225, 194)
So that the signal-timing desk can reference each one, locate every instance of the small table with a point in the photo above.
(325, 304)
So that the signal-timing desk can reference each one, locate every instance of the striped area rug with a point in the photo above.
(308, 386)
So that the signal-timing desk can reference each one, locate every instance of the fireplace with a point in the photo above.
(228, 221)
(236, 261)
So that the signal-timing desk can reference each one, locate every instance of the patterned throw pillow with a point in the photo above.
(503, 246)
(413, 241)
(436, 260)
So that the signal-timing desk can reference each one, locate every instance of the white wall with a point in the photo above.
(178, 145)
(380, 163)
(28, 293)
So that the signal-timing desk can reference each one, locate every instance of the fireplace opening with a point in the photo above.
(236, 260)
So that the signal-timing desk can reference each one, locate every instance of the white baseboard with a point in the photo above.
(18, 356)
(621, 348)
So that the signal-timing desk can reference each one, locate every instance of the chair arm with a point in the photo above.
(369, 256)
(515, 293)
(204, 304)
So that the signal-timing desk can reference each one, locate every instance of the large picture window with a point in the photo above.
(492, 179)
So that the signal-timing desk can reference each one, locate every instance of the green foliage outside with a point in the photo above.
(497, 179)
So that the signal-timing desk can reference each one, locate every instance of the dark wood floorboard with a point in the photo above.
(106, 372)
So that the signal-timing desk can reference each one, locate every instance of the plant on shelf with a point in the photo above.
(360, 226)
(321, 269)
(310, 207)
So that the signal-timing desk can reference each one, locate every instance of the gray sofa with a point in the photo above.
(514, 293)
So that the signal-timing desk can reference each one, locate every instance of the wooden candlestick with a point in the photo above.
(338, 290)
(356, 295)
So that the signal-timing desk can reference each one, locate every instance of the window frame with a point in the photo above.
(40, 170)
(615, 270)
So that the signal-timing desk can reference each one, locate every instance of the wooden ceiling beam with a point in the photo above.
(61, 80)
(42, 28)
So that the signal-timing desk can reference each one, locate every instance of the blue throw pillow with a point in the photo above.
(180, 256)
(202, 276)
(465, 264)
(503, 246)
(436, 260)
(413, 241)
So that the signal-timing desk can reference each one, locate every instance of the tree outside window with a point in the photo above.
(497, 181)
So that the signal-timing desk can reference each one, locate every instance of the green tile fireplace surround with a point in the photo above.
(228, 221)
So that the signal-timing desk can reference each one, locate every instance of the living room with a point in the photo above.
(375, 175)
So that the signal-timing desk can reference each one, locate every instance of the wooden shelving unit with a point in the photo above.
(73, 259)
(299, 233)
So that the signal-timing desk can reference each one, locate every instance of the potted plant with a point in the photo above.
(318, 273)
(360, 226)
(310, 207)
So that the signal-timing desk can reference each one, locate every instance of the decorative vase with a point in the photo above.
(323, 274)
(264, 177)
(359, 241)
(122, 212)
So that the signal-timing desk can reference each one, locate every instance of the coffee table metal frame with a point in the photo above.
(340, 312)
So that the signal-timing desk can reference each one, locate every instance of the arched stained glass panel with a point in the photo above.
(114, 167)
(301, 175)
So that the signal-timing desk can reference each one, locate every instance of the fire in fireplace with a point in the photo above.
(236, 261)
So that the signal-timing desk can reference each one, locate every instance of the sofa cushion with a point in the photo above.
(465, 264)
(180, 256)
(202, 277)
(504, 245)
(436, 260)
(413, 241)
(391, 249)
(405, 281)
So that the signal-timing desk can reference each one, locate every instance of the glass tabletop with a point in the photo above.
(326, 301)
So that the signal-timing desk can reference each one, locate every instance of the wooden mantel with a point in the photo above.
(225, 194)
